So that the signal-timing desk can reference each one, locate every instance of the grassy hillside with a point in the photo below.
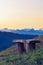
(10, 57)
(40, 38)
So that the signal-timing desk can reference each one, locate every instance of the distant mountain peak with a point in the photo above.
(6, 30)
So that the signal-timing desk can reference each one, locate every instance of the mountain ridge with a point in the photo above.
(24, 31)
(6, 39)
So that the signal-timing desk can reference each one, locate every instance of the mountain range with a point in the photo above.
(6, 39)
(25, 31)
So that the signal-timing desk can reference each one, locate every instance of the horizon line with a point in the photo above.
(20, 29)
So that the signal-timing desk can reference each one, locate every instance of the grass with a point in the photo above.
(10, 57)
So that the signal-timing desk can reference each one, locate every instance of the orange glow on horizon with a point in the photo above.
(21, 14)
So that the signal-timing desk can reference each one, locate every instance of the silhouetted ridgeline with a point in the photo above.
(7, 37)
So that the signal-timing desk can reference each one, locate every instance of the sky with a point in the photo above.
(20, 14)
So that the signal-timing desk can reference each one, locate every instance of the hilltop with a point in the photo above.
(40, 38)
